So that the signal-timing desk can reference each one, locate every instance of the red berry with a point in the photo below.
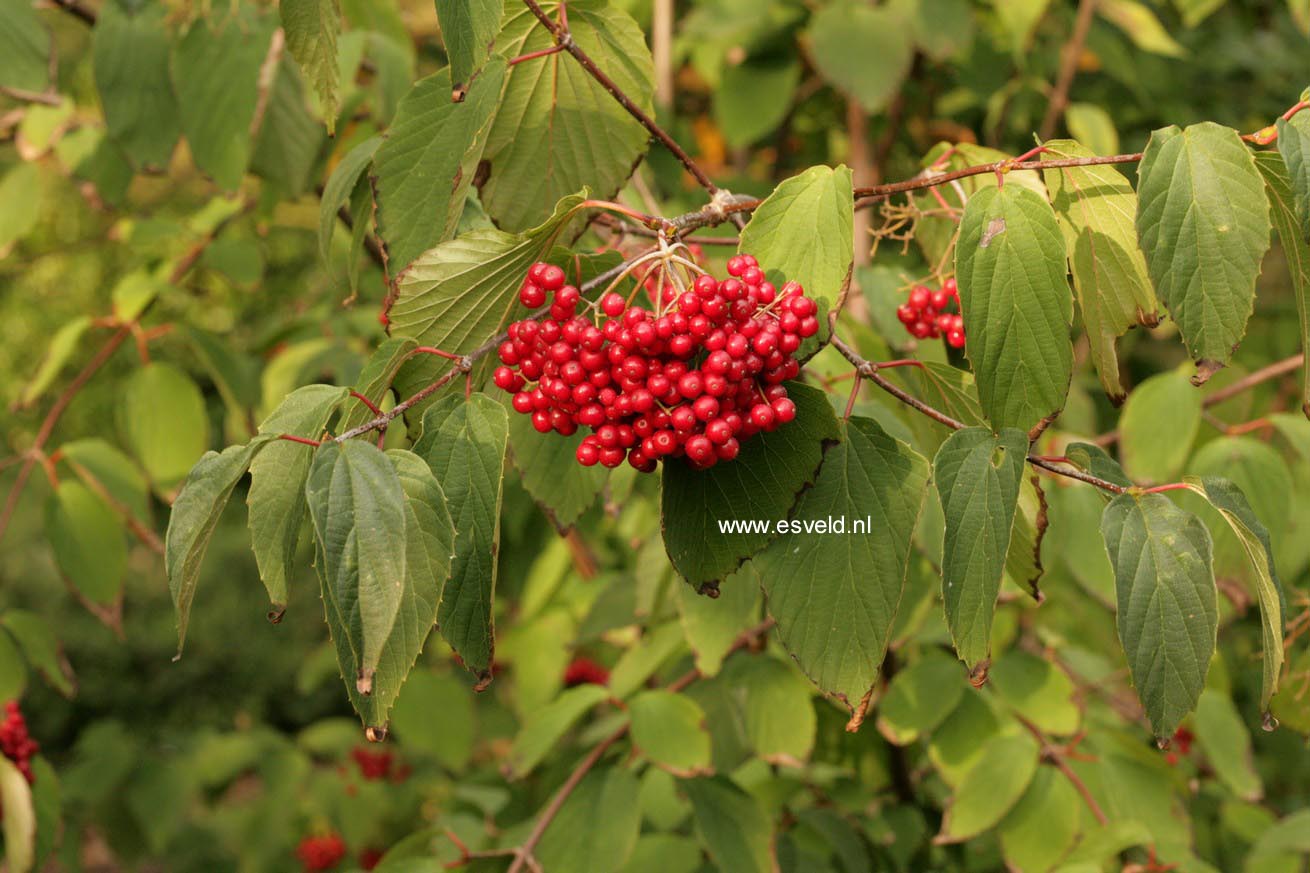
(784, 409)
(920, 297)
(951, 287)
(588, 454)
(612, 305)
(532, 296)
(940, 300)
(552, 278)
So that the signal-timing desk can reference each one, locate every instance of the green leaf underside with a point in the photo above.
(130, 58)
(762, 483)
(426, 164)
(464, 444)
(195, 515)
(836, 595)
(1294, 146)
(1203, 221)
(1167, 603)
(732, 825)
(1294, 234)
(557, 130)
(429, 537)
(802, 232)
(1017, 307)
(1096, 208)
(978, 476)
(312, 28)
(358, 508)
(276, 500)
(468, 28)
(1232, 504)
(548, 466)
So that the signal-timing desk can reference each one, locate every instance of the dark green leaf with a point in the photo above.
(24, 47)
(1294, 146)
(597, 827)
(337, 191)
(88, 540)
(1295, 240)
(732, 825)
(551, 473)
(289, 138)
(312, 27)
(468, 28)
(1093, 459)
(130, 56)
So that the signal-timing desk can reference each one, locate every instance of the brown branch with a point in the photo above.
(1264, 374)
(1058, 757)
(1073, 49)
(147, 536)
(45, 98)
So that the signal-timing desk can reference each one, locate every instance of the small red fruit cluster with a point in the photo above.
(689, 379)
(321, 852)
(15, 742)
(925, 314)
(373, 765)
(584, 671)
(1180, 746)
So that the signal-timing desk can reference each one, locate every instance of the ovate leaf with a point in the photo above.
(41, 648)
(337, 191)
(195, 514)
(164, 423)
(1038, 690)
(468, 29)
(1044, 824)
(1014, 295)
(920, 697)
(1294, 234)
(597, 827)
(835, 595)
(130, 54)
(978, 477)
(1158, 426)
(24, 47)
(289, 138)
(991, 788)
(1226, 743)
(669, 730)
(733, 826)
(312, 27)
(711, 625)
(545, 726)
(65, 342)
(1203, 220)
(862, 50)
(1167, 602)
(88, 541)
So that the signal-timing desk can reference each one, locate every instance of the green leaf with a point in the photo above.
(13, 669)
(468, 29)
(991, 788)
(277, 483)
(712, 624)
(596, 829)
(733, 826)
(96, 462)
(463, 292)
(1231, 503)
(544, 727)
(426, 165)
(374, 381)
(641, 661)
(1203, 220)
(195, 515)
(556, 129)
(669, 730)
(19, 818)
(358, 507)
(549, 467)
(776, 709)
(40, 647)
(1294, 146)
(1226, 743)
(312, 27)
(1168, 610)
(20, 189)
(753, 99)
(24, 47)
(130, 57)
(1295, 240)
(1038, 690)
(48, 806)
(762, 483)
(435, 715)
(1014, 295)
(464, 443)
(862, 50)
(664, 853)
(88, 541)
(1091, 125)
(63, 345)
(337, 191)
(1095, 207)
(978, 477)
(836, 621)
(1158, 426)
(1283, 842)
(802, 233)
(920, 697)
(1196, 11)
(216, 74)
(288, 142)
(1020, 18)
(164, 423)
(428, 538)
(134, 293)
(1093, 459)
(1139, 24)
(1044, 824)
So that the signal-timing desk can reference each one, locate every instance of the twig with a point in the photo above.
(1057, 757)
(1264, 374)
(1068, 68)
(43, 97)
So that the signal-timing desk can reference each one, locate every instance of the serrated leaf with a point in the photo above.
(19, 818)
(991, 788)
(276, 499)
(88, 541)
(337, 192)
(24, 47)
(216, 74)
(669, 730)
(1167, 602)
(544, 727)
(163, 420)
(130, 57)
(762, 483)
(429, 537)
(464, 443)
(802, 233)
(1014, 295)
(195, 515)
(312, 27)
(1232, 504)
(862, 50)
(1044, 824)
(468, 29)
(1095, 207)
(425, 166)
(978, 477)
(41, 648)
(548, 465)
(836, 594)
(556, 129)
(1159, 423)
(1294, 146)
(1294, 234)
(920, 697)
(1203, 221)
(732, 825)
(597, 827)
(358, 507)
(1226, 742)
(63, 345)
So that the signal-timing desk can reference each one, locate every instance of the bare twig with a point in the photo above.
(1059, 758)
(1068, 68)
(1264, 374)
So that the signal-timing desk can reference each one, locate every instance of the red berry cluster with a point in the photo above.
(925, 313)
(686, 380)
(15, 742)
(322, 852)
(373, 765)
(1180, 746)
(584, 671)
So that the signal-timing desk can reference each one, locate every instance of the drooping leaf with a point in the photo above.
(862, 50)
(88, 541)
(1158, 426)
(1093, 459)
(130, 54)
(468, 29)
(1295, 237)
(337, 191)
(426, 164)
(920, 697)
(548, 465)
(358, 507)
(802, 233)
(545, 726)
(24, 47)
(312, 27)
(991, 788)
(1167, 603)
(762, 483)
(557, 130)
(978, 477)
(836, 594)
(1096, 207)
(1014, 295)
(276, 499)
(163, 420)
(195, 515)
(669, 730)
(732, 825)
(464, 444)
(597, 827)
(1203, 220)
